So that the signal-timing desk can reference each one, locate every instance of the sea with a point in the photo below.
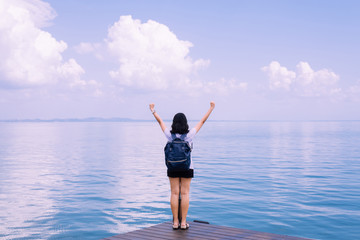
(92, 180)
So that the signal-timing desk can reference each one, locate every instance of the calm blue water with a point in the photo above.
(94, 180)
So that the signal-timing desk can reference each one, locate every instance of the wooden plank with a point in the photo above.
(164, 231)
(199, 231)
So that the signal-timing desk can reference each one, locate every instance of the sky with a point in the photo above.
(258, 60)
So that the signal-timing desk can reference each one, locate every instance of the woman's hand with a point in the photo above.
(205, 117)
(152, 106)
(157, 117)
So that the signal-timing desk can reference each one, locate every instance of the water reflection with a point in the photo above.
(59, 179)
(283, 176)
(93, 180)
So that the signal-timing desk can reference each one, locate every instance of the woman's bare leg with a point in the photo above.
(174, 199)
(185, 190)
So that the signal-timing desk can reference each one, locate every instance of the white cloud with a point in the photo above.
(150, 56)
(29, 55)
(279, 77)
(304, 82)
(315, 83)
(72, 70)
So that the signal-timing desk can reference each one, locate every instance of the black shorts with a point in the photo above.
(182, 174)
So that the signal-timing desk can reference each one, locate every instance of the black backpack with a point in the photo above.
(177, 154)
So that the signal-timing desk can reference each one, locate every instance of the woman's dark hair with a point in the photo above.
(179, 124)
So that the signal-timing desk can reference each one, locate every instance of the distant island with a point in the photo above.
(90, 119)
(115, 119)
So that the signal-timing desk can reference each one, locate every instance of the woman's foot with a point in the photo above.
(184, 226)
(176, 226)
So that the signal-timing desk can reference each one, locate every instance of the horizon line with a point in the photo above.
(119, 119)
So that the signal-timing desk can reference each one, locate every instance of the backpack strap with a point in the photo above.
(182, 136)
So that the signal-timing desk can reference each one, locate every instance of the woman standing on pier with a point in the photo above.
(180, 180)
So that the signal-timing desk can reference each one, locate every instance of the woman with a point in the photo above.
(179, 127)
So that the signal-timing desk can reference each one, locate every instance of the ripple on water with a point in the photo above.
(93, 180)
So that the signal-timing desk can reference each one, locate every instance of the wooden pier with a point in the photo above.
(199, 231)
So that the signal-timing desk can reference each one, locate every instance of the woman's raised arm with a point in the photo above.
(205, 117)
(157, 117)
